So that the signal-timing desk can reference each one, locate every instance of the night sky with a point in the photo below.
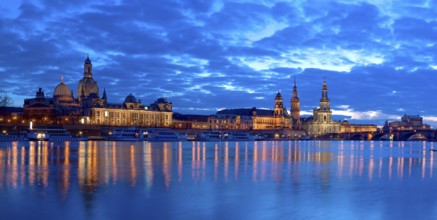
(379, 57)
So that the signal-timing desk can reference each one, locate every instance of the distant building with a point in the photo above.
(181, 121)
(346, 127)
(408, 122)
(252, 118)
(11, 115)
(90, 108)
(321, 122)
(232, 119)
(40, 109)
(130, 113)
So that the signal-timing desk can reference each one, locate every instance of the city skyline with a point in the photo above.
(378, 56)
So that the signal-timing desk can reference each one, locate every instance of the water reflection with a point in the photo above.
(111, 162)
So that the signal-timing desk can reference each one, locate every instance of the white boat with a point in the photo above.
(238, 136)
(212, 135)
(163, 134)
(215, 135)
(128, 134)
(38, 135)
(52, 134)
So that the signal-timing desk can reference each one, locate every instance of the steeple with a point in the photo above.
(324, 101)
(88, 68)
(294, 97)
(295, 103)
(104, 95)
(324, 91)
(279, 107)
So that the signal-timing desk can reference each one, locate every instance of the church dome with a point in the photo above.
(87, 87)
(63, 92)
(130, 98)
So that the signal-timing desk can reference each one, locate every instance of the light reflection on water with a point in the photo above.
(232, 180)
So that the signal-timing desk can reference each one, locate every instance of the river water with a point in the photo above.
(218, 180)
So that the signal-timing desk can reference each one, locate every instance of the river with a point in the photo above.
(218, 180)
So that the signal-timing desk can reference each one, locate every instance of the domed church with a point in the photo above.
(62, 94)
(89, 108)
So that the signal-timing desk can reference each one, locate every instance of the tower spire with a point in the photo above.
(295, 108)
(88, 67)
(324, 101)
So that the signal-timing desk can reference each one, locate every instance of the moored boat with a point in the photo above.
(238, 136)
(52, 134)
(127, 134)
(213, 135)
(163, 134)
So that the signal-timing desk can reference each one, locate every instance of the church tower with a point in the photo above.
(295, 108)
(279, 107)
(322, 123)
(324, 113)
(278, 111)
(324, 101)
(87, 87)
(295, 103)
(88, 68)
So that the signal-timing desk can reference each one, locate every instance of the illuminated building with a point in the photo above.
(89, 108)
(408, 122)
(321, 122)
(135, 115)
(62, 108)
(87, 88)
(190, 121)
(67, 108)
(256, 119)
(39, 109)
(346, 127)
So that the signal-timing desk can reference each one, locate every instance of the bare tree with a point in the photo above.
(5, 100)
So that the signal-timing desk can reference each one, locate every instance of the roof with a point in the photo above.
(181, 117)
(413, 116)
(246, 112)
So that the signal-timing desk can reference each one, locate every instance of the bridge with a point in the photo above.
(399, 135)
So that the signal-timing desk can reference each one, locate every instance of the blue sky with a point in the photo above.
(379, 57)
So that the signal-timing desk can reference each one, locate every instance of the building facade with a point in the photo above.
(321, 122)
(346, 127)
(90, 108)
(252, 118)
(199, 122)
(408, 122)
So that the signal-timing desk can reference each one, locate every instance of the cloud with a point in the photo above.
(206, 55)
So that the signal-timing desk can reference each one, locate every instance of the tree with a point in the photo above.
(5, 100)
